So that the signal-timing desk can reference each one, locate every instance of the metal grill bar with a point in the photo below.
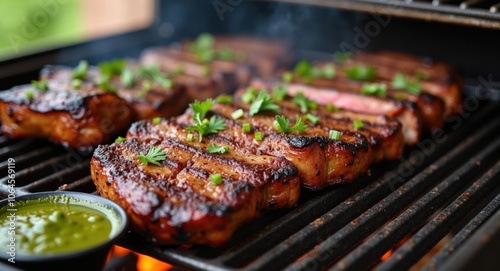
(437, 262)
(405, 256)
(346, 238)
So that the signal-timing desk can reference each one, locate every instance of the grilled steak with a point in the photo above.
(75, 118)
(383, 133)
(441, 80)
(153, 102)
(321, 161)
(176, 202)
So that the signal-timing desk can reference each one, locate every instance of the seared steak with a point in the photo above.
(77, 118)
(176, 202)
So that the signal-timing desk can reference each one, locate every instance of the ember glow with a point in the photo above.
(144, 262)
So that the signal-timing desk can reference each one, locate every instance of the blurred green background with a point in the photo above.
(31, 25)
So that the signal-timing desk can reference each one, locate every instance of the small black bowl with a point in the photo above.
(92, 258)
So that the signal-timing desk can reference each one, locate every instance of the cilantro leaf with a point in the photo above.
(201, 108)
(400, 81)
(41, 85)
(361, 72)
(154, 156)
(81, 70)
(206, 127)
(111, 68)
(263, 102)
(377, 89)
(249, 95)
(153, 72)
(213, 148)
(304, 103)
(283, 124)
(127, 78)
(279, 93)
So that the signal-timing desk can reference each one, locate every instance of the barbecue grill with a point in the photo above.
(446, 189)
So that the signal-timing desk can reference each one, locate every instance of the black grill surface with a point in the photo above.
(446, 186)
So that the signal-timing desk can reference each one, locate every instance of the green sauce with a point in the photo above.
(55, 225)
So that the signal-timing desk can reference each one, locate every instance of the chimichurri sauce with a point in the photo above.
(44, 228)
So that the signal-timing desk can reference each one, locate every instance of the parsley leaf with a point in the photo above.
(279, 93)
(205, 127)
(153, 72)
(213, 148)
(201, 107)
(41, 85)
(378, 89)
(81, 70)
(261, 103)
(249, 95)
(106, 86)
(400, 81)
(283, 124)
(304, 103)
(127, 78)
(111, 68)
(154, 156)
(361, 72)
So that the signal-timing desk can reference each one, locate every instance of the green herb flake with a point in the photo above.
(190, 137)
(246, 128)
(249, 95)
(76, 83)
(81, 70)
(287, 77)
(30, 95)
(401, 81)
(127, 78)
(312, 118)
(304, 103)
(342, 57)
(41, 85)
(201, 108)
(110, 68)
(263, 102)
(226, 54)
(332, 108)
(237, 114)
(283, 124)
(376, 89)
(206, 127)
(258, 136)
(358, 124)
(279, 93)
(106, 86)
(154, 156)
(334, 134)
(216, 179)
(119, 139)
(213, 148)
(224, 99)
(328, 71)
(361, 72)
(156, 120)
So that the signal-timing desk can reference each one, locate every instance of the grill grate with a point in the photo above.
(444, 186)
(481, 13)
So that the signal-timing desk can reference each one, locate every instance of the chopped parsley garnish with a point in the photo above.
(111, 68)
(279, 93)
(30, 95)
(304, 69)
(328, 71)
(225, 54)
(358, 124)
(334, 134)
(127, 78)
(224, 99)
(283, 124)
(206, 127)
(258, 136)
(308, 71)
(249, 95)
(304, 103)
(190, 137)
(263, 102)
(40, 85)
(154, 156)
(401, 81)
(76, 83)
(213, 148)
(287, 77)
(153, 72)
(237, 114)
(106, 86)
(361, 72)
(201, 108)
(341, 57)
(202, 47)
(377, 89)
(312, 118)
(81, 70)
(246, 128)
(216, 179)
(156, 120)
(332, 108)
(119, 139)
